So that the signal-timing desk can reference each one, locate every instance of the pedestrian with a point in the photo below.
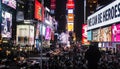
(93, 55)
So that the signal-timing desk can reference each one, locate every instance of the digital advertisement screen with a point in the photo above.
(6, 25)
(70, 26)
(116, 33)
(11, 3)
(22, 34)
(89, 35)
(105, 34)
(48, 33)
(25, 34)
(84, 34)
(95, 35)
(38, 10)
(70, 18)
(70, 4)
(42, 29)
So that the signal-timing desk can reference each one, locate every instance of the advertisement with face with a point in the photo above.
(11, 3)
(116, 33)
(6, 25)
(84, 34)
(106, 34)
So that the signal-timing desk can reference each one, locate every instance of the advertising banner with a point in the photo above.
(116, 33)
(70, 26)
(53, 4)
(38, 10)
(84, 34)
(105, 34)
(102, 34)
(70, 18)
(70, 4)
(108, 15)
(6, 25)
(48, 33)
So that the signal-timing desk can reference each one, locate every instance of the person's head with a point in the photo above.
(94, 45)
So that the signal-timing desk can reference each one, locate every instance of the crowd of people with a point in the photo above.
(83, 57)
(76, 56)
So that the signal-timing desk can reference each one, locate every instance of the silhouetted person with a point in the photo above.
(93, 55)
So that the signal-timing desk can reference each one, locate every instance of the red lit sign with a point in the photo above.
(70, 5)
(38, 10)
(84, 34)
(53, 4)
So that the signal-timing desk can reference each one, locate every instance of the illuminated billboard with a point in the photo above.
(25, 34)
(48, 33)
(89, 35)
(102, 34)
(110, 14)
(95, 35)
(70, 11)
(6, 25)
(38, 10)
(116, 33)
(70, 18)
(70, 4)
(105, 34)
(84, 34)
(11, 3)
(70, 26)
(42, 29)
(53, 4)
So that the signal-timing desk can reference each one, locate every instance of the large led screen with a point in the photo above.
(70, 26)
(6, 25)
(11, 3)
(38, 10)
(95, 35)
(25, 34)
(89, 35)
(116, 33)
(105, 34)
(84, 34)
